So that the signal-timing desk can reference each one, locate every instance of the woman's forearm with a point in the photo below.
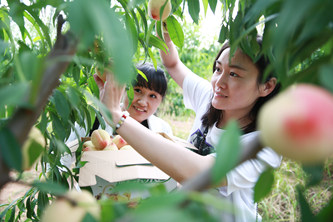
(174, 66)
(176, 161)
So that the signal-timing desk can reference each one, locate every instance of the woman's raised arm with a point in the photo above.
(172, 62)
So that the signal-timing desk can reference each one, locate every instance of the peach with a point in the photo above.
(100, 138)
(155, 6)
(88, 146)
(127, 147)
(111, 146)
(72, 208)
(298, 123)
(119, 141)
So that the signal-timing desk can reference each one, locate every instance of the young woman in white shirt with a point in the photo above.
(236, 92)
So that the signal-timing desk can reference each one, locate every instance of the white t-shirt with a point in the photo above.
(241, 180)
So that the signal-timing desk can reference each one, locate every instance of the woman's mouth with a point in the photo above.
(220, 95)
(139, 109)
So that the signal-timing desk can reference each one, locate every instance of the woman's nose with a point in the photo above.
(142, 101)
(221, 81)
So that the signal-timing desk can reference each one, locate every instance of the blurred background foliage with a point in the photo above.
(297, 37)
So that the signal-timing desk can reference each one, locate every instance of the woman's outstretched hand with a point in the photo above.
(111, 93)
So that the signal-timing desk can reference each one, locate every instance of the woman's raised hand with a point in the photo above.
(110, 93)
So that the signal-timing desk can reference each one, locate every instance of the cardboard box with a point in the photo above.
(104, 169)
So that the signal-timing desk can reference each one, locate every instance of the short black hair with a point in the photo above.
(157, 80)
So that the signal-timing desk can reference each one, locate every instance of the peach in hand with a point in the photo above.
(155, 6)
(298, 123)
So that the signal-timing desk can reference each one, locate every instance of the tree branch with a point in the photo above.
(204, 181)
(55, 64)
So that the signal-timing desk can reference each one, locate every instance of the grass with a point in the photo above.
(281, 204)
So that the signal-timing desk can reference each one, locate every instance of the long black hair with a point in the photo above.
(157, 80)
(213, 115)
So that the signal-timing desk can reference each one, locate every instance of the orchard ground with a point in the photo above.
(280, 205)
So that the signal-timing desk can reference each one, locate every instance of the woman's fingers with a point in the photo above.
(113, 92)
(99, 81)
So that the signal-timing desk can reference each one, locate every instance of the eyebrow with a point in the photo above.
(232, 65)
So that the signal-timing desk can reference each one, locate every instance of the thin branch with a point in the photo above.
(204, 181)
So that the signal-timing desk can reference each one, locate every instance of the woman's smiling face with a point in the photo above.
(235, 84)
(144, 104)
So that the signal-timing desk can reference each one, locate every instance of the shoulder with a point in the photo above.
(191, 80)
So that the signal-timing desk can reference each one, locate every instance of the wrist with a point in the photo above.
(119, 118)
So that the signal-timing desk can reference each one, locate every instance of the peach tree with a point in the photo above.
(50, 50)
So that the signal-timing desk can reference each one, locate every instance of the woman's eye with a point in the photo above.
(153, 96)
(233, 74)
(137, 90)
(217, 69)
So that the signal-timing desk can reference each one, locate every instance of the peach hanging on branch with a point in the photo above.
(298, 123)
(155, 7)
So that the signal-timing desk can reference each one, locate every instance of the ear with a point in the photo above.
(267, 87)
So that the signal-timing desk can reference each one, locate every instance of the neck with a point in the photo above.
(226, 117)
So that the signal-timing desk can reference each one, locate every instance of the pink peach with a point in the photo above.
(298, 123)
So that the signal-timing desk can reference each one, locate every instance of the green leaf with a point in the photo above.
(102, 108)
(61, 105)
(50, 187)
(159, 29)
(73, 96)
(158, 43)
(10, 149)
(212, 5)
(165, 200)
(57, 126)
(326, 76)
(107, 210)
(89, 18)
(161, 213)
(88, 218)
(326, 213)
(175, 31)
(13, 95)
(100, 119)
(264, 184)
(130, 24)
(315, 174)
(12, 214)
(224, 34)
(34, 151)
(227, 152)
(306, 212)
(42, 202)
(194, 9)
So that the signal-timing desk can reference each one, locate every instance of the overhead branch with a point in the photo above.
(55, 64)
